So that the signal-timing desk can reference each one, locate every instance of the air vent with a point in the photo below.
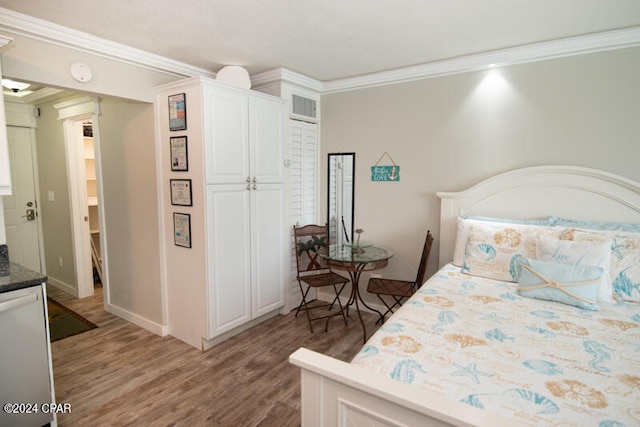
(303, 109)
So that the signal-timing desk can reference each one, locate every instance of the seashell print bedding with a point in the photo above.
(545, 363)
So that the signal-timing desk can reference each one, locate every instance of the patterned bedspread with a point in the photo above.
(477, 341)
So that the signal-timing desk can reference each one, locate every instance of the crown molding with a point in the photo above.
(282, 75)
(83, 105)
(37, 96)
(19, 24)
(4, 40)
(38, 29)
(610, 40)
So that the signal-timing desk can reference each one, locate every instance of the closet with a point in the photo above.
(92, 199)
(227, 147)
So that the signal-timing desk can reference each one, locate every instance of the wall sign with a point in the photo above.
(179, 154)
(181, 194)
(182, 229)
(178, 112)
(384, 172)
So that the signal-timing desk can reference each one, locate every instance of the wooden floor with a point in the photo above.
(119, 374)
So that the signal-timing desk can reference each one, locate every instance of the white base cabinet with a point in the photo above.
(237, 268)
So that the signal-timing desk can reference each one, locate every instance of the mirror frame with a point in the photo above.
(336, 234)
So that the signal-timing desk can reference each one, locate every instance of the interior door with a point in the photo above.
(20, 208)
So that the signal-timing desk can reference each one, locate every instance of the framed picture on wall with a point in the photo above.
(182, 229)
(179, 154)
(178, 112)
(181, 192)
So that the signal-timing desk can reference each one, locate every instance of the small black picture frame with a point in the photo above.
(181, 194)
(178, 112)
(179, 151)
(182, 229)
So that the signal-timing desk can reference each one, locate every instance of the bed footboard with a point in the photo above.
(335, 393)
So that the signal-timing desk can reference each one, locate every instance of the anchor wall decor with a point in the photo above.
(385, 173)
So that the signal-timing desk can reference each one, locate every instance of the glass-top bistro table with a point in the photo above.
(354, 260)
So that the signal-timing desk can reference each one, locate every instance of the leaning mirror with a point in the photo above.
(340, 197)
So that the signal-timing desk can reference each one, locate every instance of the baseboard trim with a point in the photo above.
(137, 320)
(207, 344)
(64, 287)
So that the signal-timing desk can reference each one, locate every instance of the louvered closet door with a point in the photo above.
(303, 173)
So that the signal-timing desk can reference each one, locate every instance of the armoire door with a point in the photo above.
(226, 126)
(229, 256)
(266, 148)
(269, 241)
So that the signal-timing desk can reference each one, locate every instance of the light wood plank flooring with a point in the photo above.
(119, 374)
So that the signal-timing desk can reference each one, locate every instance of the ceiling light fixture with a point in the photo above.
(14, 86)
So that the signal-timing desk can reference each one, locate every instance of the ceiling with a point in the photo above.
(329, 39)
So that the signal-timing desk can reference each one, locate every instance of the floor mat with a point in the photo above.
(64, 323)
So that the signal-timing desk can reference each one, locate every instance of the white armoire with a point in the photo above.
(224, 208)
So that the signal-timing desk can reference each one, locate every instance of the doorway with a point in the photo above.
(92, 201)
(82, 142)
(23, 225)
(73, 261)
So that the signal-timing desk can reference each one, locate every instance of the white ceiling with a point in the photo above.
(329, 39)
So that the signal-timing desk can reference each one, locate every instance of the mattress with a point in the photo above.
(477, 341)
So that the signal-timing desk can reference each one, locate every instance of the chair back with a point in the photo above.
(311, 240)
(344, 230)
(426, 250)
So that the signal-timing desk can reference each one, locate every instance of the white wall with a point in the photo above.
(55, 215)
(3, 236)
(448, 133)
(127, 144)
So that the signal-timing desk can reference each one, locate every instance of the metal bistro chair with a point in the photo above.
(401, 289)
(310, 240)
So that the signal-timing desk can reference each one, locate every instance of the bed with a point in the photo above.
(489, 341)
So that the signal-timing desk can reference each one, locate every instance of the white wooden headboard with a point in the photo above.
(537, 192)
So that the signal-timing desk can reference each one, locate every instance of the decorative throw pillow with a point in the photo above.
(494, 250)
(597, 225)
(625, 266)
(591, 253)
(624, 271)
(465, 224)
(575, 285)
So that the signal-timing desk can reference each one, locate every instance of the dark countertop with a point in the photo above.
(19, 278)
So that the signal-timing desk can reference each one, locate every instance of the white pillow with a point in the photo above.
(495, 250)
(624, 273)
(465, 223)
(586, 253)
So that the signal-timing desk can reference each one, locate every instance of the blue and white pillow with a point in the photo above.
(624, 272)
(493, 250)
(593, 253)
(575, 285)
(597, 225)
(465, 224)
